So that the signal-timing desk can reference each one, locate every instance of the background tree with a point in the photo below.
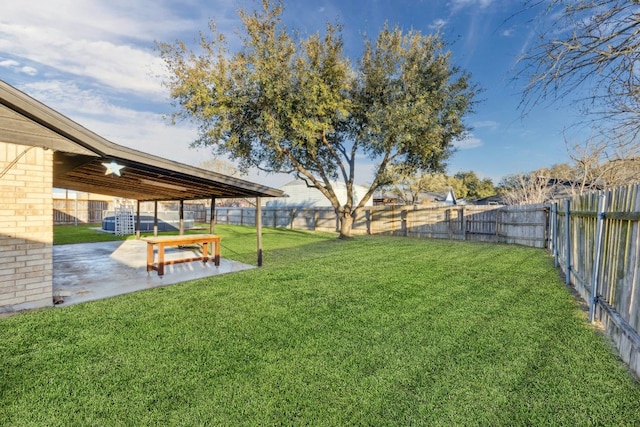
(526, 188)
(441, 183)
(474, 187)
(404, 184)
(220, 166)
(562, 171)
(622, 172)
(286, 105)
(588, 51)
(596, 167)
(409, 186)
(588, 172)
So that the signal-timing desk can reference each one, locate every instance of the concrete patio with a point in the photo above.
(92, 271)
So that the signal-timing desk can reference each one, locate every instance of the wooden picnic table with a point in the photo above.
(206, 240)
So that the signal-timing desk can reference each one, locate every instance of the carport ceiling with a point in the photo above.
(80, 155)
(143, 181)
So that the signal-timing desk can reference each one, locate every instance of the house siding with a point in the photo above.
(26, 227)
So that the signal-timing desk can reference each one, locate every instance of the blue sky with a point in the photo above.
(95, 62)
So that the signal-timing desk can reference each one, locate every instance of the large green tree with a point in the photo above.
(298, 105)
(408, 185)
(473, 186)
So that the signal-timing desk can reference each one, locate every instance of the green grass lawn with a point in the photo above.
(85, 233)
(371, 331)
(238, 243)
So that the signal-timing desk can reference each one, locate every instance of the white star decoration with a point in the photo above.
(112, 168)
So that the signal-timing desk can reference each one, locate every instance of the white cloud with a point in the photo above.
(468, 143)
(141, 130)
(9, 63)
(144, 131)
(15, 66)
(486, 124)
(109, 42)
(122, 67)
(438, 24)
(461, 4)
(116, 19)
(28, 70)
(508, 32)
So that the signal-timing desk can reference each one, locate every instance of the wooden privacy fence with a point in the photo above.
(70, 211)
(523, 225)
(313, 219)
(595, 239)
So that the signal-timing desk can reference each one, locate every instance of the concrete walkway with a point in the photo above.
(92, 271)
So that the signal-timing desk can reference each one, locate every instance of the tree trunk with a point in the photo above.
(346, 223)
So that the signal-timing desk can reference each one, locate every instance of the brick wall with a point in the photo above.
(26, 227)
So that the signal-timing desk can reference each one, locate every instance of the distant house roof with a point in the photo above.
(490, 200)
(450, 198)
(80, 154)
(564, 188)
(447, 198)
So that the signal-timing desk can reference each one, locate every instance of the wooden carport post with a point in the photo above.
(138, 221)
(259, 229)
(212, 220)
(181, 217)
(155, 218)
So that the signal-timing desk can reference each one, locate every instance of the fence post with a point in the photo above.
(393, 220)
(403, 223)
(549, 244)
(596, 257)
(447, 217)
(567, 232)
(367, 217)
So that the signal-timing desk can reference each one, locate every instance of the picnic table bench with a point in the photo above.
(206, 240)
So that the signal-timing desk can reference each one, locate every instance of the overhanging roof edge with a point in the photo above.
(67, 128)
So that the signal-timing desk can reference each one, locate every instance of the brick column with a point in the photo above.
(26, 227)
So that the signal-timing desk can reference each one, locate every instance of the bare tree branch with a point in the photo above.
(588, 51)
